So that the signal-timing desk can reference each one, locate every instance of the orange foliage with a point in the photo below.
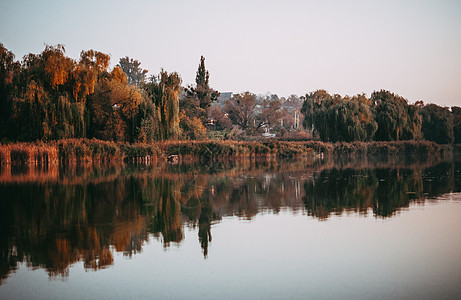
(57, 67)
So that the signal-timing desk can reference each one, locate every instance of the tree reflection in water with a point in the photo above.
(53, 218)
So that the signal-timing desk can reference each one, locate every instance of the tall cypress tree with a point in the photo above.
(201, 94)
(202, 77)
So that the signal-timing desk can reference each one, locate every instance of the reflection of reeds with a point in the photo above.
(28, 153)
(99, 172)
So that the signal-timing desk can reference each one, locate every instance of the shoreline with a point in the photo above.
(70, 151)
(96, 173)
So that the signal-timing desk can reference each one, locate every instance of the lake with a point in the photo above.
(306, 228)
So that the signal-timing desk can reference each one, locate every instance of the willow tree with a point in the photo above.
(437, 124)
(8, 70)
(350, 120)
(91, 67)
(456, 112)
(43, 107)
(314, 110)
(49, 96)
(113, 108)
(397, 120)
(163, 91)
(339, 119)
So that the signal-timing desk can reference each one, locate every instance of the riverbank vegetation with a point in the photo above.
(57, 109)
(84, 150)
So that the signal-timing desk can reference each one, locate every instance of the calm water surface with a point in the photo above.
(362, 228)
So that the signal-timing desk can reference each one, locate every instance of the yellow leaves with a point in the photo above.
(126, 97)
(118, 74)
(192, 127)
(56, 72)
(83, 81)
(57, 66)
(95, 60)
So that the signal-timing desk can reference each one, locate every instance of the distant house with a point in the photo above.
(210, 124)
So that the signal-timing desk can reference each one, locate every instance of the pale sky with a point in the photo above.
(412, 48)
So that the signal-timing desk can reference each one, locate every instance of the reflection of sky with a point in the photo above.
(410, 47)
(415, 254)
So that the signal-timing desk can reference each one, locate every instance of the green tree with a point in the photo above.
(131, 67)
(412, 129)
(201, 94)
(350, 120)
(313, 105)
(437, 124)
(396, 119)
(339, 119)
(147, 122)
(456, 112)
(8, 71)
(164, 91)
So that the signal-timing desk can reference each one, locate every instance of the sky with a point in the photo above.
(412, 48)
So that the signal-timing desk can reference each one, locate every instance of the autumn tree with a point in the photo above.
(191, 127)
(270, 114)
(96, 61)
(240, 109)
(49, 96)
(44, 106)
(58, 98)
(92, 66)
(113, 108)
(222, 120)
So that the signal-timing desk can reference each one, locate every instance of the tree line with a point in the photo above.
(49, 96)
(384, 116)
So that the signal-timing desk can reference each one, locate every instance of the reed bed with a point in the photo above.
(91, 150)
